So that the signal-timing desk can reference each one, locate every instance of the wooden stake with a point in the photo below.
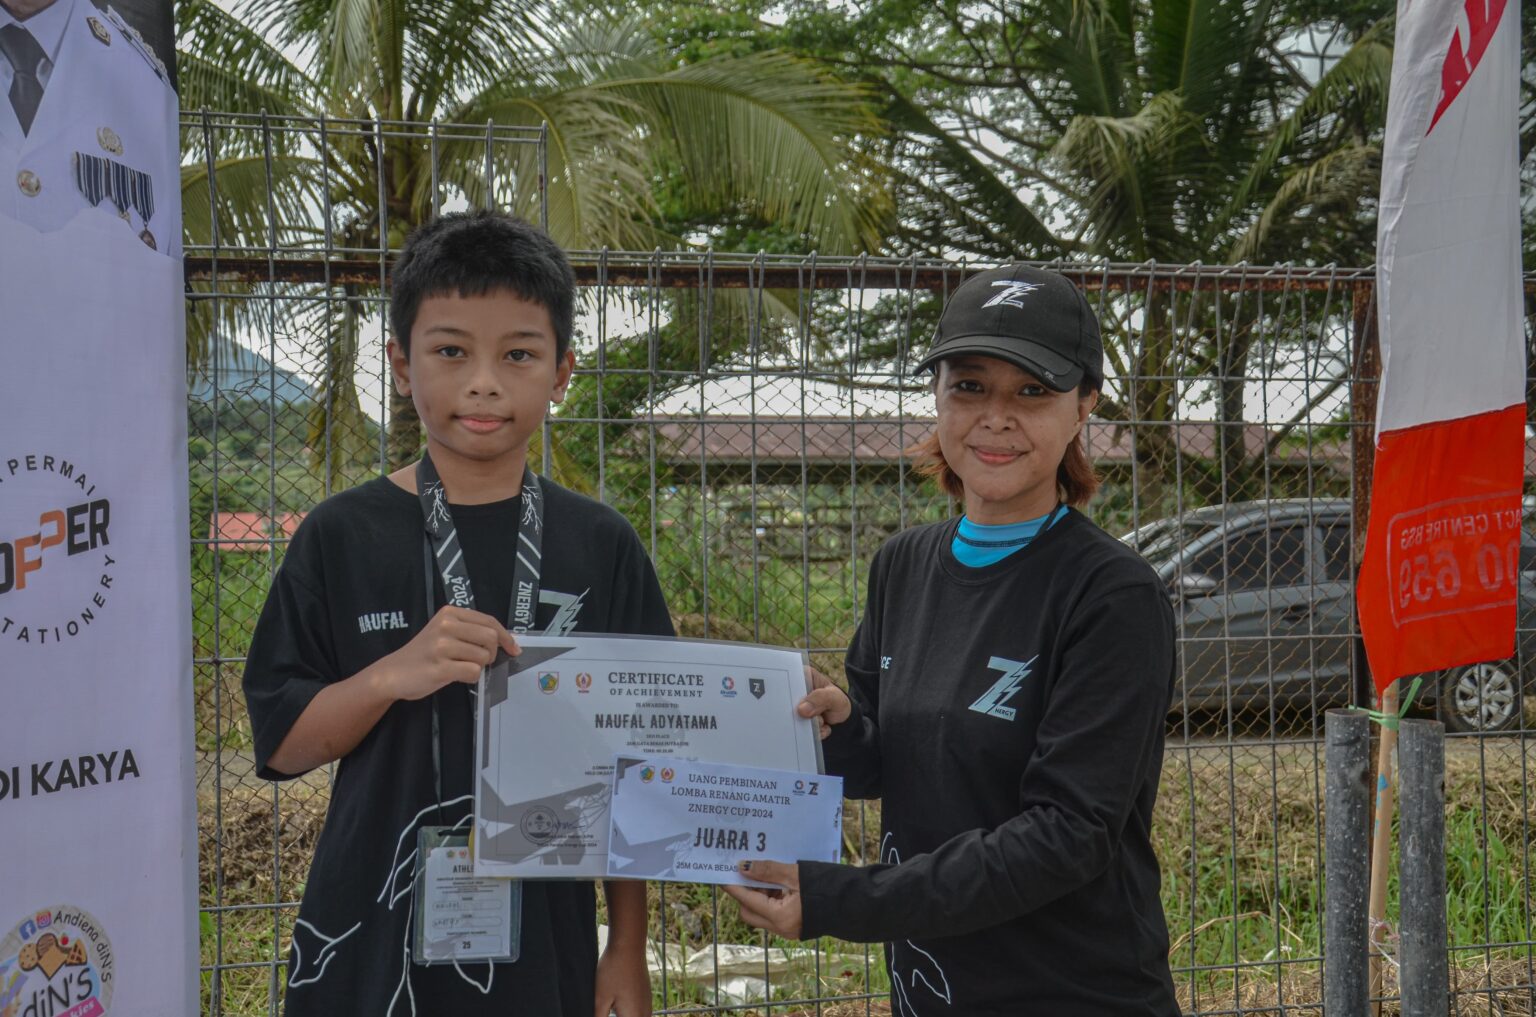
(1381, 842)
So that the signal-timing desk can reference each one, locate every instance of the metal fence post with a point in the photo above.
(1347, 823)
(1365, 379)
(1425, 968)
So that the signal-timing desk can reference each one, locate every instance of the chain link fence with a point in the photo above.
(750, 416)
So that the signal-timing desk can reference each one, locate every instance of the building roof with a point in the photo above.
(250, 531)
(874, 441)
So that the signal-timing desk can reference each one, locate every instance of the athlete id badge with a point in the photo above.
(459, 917)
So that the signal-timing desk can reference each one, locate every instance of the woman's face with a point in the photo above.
(1004, 434)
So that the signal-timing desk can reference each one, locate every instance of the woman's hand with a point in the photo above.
(778, 911)
(827, 703)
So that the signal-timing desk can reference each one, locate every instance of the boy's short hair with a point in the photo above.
(471, 254)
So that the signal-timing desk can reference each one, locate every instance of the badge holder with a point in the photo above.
(459, 917)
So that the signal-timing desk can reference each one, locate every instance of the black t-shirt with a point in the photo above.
(352, 589)
(1010, 718)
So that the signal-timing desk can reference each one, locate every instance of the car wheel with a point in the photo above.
(1480, 697)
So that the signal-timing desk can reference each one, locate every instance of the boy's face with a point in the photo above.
(482, 373)
(1005, 435)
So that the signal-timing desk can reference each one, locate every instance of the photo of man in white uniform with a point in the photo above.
(87, 122)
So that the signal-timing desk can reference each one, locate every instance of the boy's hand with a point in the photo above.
(453, 647)
(623, 984)
(826, 702)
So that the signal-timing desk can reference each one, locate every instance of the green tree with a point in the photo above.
(766, 133)
(1176, 131)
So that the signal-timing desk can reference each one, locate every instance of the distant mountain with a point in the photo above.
(240, 373)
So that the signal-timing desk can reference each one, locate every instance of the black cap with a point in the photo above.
(1035, 320)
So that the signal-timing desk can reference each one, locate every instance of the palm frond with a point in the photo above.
(594, 45)
(224, 64)
(227, 204)
(459, 47)
(1085, 48)
(961, 198)
(358, 49)
(771, 133)
(1211, 52)
(1333, 184)
(1360, 79)
(1134, 169)
(598, 193)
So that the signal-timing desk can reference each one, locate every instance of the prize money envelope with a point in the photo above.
(550, 721)
(675, 819)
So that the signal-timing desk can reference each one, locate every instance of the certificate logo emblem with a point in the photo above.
(667, 774)
(539, 825)
(757, 687)
(583, 682)
(728, 687)
(647, 774)
(549, 681)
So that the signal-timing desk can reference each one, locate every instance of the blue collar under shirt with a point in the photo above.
(977, 544)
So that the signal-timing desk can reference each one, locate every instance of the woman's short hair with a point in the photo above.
(1076, 479)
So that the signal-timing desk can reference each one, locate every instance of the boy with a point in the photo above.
(392, 597)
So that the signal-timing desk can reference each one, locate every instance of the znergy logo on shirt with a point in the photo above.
(993, 701)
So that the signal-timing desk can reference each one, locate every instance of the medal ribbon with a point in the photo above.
(445, 555)
(100, 178)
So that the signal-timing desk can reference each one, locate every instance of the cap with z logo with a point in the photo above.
(1034, 319)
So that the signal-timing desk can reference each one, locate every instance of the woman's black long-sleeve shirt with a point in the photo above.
(1011, 719)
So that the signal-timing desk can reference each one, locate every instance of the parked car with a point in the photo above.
(1265, 595)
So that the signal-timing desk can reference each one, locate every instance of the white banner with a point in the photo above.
(98, 840)
(1440, 578)
(1448, 235)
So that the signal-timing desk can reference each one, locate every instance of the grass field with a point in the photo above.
(1238, 829)
(1244, 897)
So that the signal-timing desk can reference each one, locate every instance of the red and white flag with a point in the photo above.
(1440, 577)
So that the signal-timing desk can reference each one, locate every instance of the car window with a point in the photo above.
(1255, 558)
(1160, 542)
(1336, 564)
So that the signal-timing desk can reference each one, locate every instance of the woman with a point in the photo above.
(1007, 693)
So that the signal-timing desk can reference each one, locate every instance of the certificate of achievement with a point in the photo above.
(550, 721)
(691, 821)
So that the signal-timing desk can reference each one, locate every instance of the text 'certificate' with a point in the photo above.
(551, 721)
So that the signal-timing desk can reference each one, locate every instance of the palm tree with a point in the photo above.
(1177, 131)
(766, 132)
(1191, 136)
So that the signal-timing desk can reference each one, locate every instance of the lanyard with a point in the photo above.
(444, 555)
